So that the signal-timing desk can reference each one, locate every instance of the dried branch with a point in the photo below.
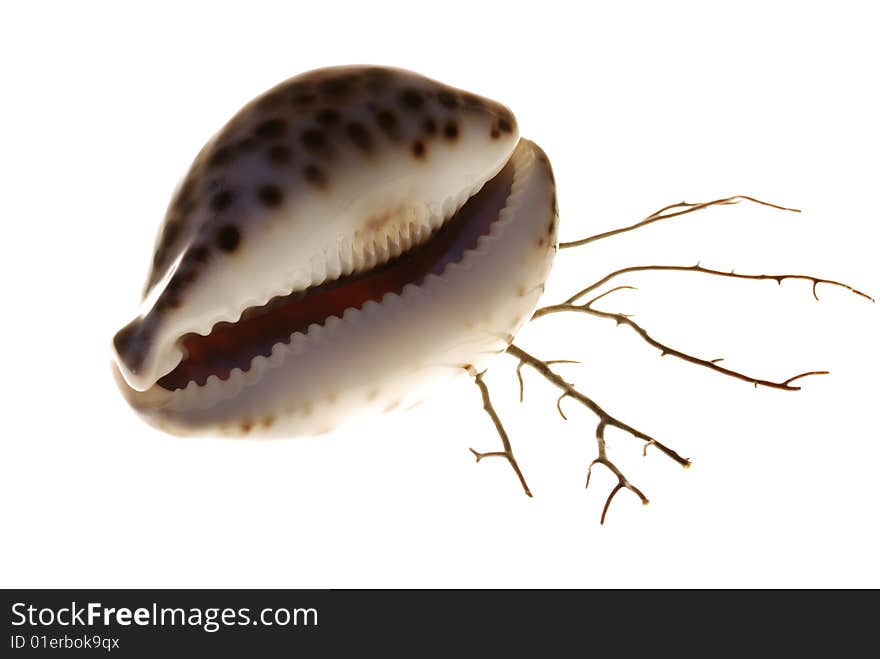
(708, 271)
(507, 453)
(622, 482)
(552, 361)
(605, 420)
(665, 214)
(711, 364)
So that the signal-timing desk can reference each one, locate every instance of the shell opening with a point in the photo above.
(235, 345)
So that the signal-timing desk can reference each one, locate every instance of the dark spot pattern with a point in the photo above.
(377, 79)
(418, 149)
(222, 200)
(246, 145)
(221, 156)
(410, 99)
(303, 99)
(359, 135)
(472, 100)
(447, 99)
(495, 133)
(387, 121)
(313, 139)
(450, 130)
(271, 129)
(505, 125)
(270, 195)
(335, 86)
(429, 126)
(279, 154)
(315, 175)
(228, 238)
(328, 117)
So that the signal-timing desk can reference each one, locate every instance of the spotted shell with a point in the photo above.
(349, 239)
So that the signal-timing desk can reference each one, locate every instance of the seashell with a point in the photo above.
(349, 239)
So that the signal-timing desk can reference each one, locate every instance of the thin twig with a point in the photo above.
(605, 420)
(707, 271)
(507, 453)
(712, 364)
(662, 214)
(552, 361)
(622, 319)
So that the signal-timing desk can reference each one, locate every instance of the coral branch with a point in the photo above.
(507, 453)
(668, 212)
(707, 271)
(605, 420)
(711, 364)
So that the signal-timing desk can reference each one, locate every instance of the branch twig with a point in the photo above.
(507, 453)
(708, 271)
(605, 420)
(712, 364)
(664, 214)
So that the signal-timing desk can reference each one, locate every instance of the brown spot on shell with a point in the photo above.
(387, 121)
(246, 144)
(222, 200)
(411, 99)
(228, 238)
(377, 79)
(221, 156)
(472, 100)
(315, 175)
(359, 135)
(447, 99)
(246, 426)
(271, 129)
(450, 130)
(418, 149)
(313, 139)
(335, 86)
(303, 99)
(270, 195)
(328, 117)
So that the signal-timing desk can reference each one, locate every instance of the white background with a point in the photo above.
(637, 106)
